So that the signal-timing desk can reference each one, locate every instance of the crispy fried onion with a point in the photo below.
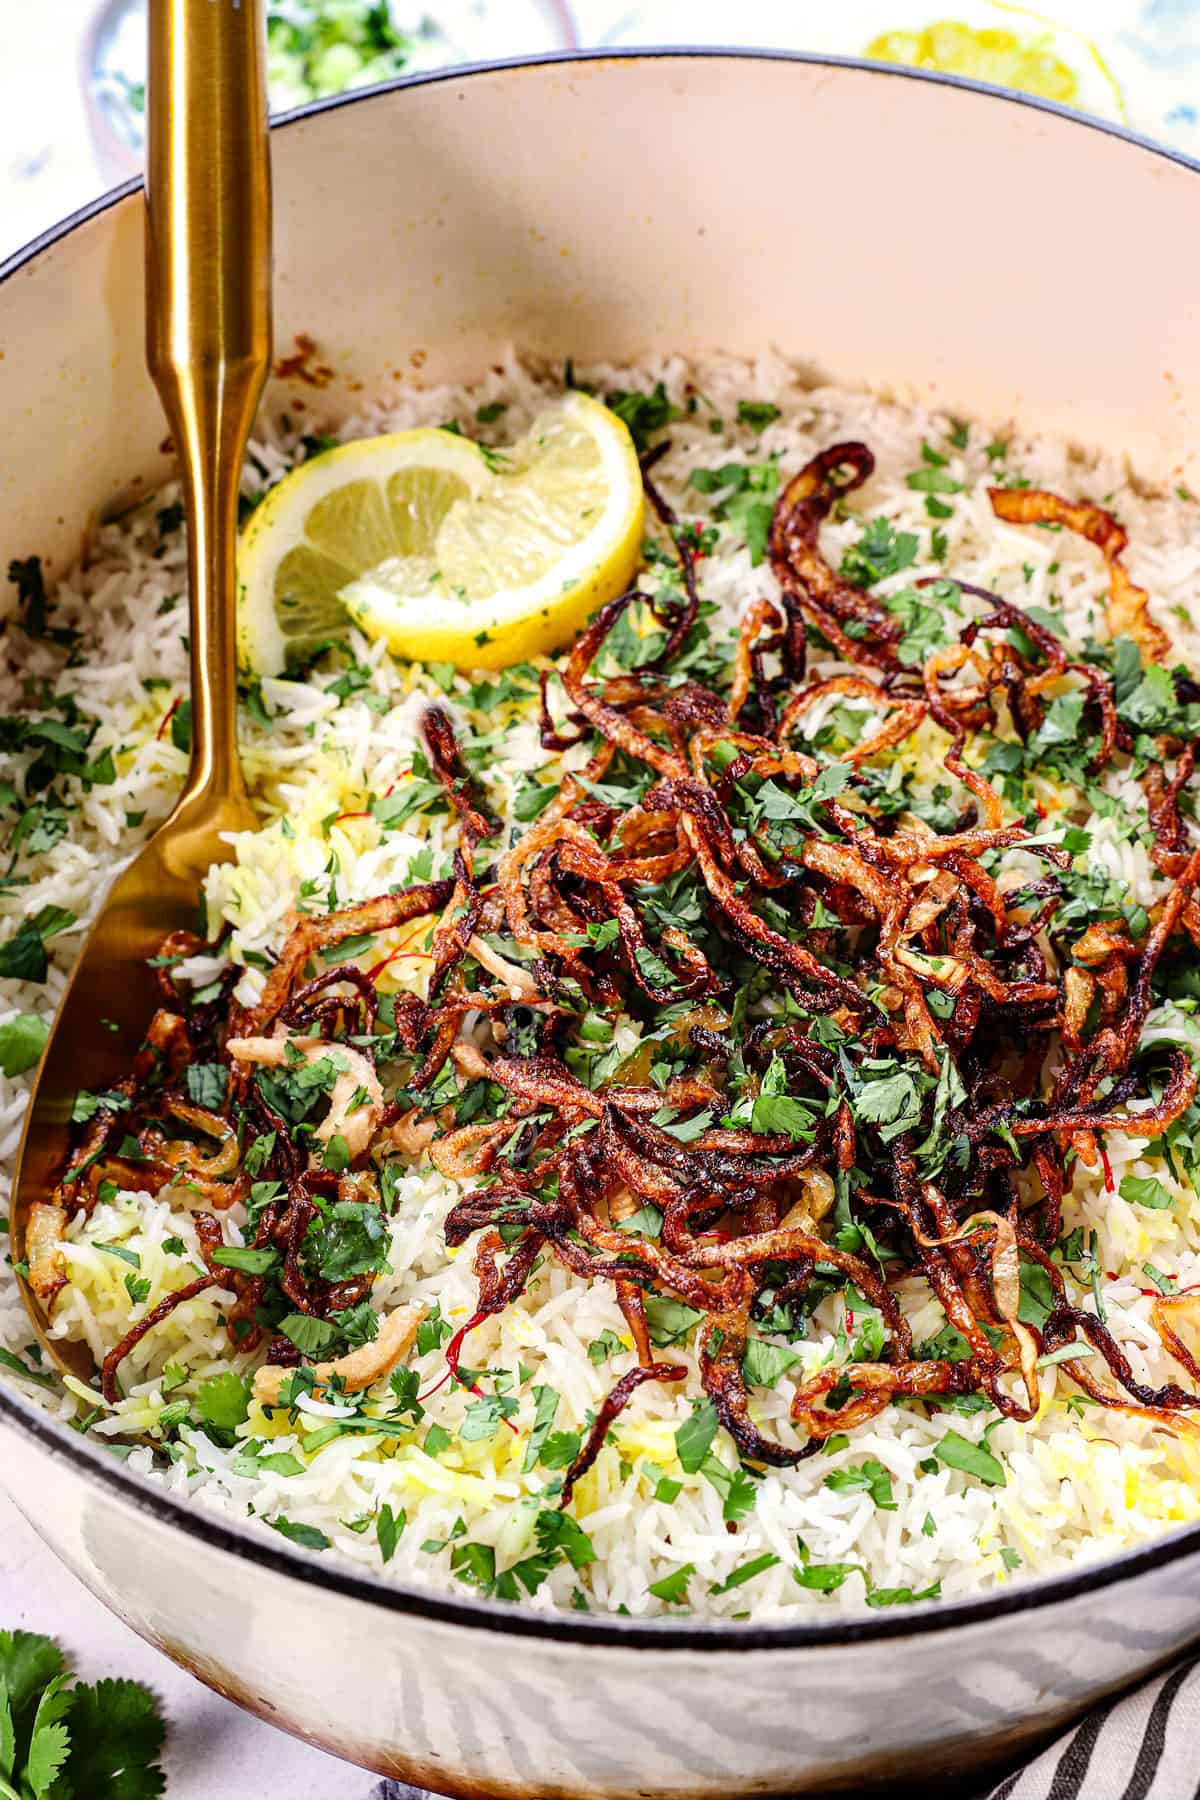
(1128, 612)
(44, 1233)
(359, 1369)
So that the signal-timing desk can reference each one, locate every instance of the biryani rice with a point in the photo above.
(1077, 1489)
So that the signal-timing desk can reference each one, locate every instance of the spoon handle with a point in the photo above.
(208, 316)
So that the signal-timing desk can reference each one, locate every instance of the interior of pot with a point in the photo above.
(992, 255)
(880, 227)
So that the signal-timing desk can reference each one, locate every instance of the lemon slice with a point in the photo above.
(342, 513)
(1010, 46)
(518, 566)
(448, 552)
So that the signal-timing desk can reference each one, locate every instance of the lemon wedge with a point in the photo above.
(448, 552)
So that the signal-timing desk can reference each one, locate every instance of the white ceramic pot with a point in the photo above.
(954, 245)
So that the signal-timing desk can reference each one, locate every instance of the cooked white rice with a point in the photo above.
(1079, 1486)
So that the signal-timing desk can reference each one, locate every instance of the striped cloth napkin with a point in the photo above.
(1144, 1746)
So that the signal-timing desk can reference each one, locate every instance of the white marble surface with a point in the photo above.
(47, 162)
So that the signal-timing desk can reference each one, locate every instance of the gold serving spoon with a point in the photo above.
(208, 347)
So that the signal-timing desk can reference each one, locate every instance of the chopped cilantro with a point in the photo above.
(483, 1417)
(388, 1529)
(559, 1531)
(669, 1321)
(880, 552)
(694, 1438)
(1145, 1191)
(757, 414)
(958, 1452)
(23, 957)
(223, 1400)
(645, 415)
(22, 1040)
(606, 1345)
(207, 1084)
(349, 1238)
(310, 1335)
(309, 1537)
(673, 1588)
(763, 1364)
(744, 498)
(870, 1477)
(546, 1407)
(757, 1565)
(249, 1261)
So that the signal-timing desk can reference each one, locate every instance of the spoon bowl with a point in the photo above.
(102, 1018)
(208, 348)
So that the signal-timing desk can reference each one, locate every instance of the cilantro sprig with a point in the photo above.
(62, 1739)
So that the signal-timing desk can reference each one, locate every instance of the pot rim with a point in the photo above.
(504, 1618)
